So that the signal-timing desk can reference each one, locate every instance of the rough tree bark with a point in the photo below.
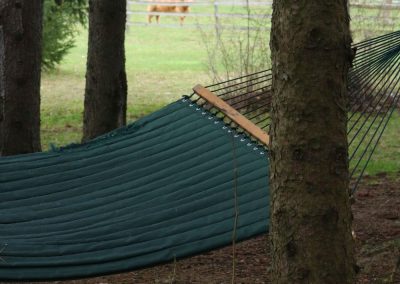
(21, 49)
(310, 211)
(106, 86)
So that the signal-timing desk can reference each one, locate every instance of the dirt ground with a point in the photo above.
(376, 225)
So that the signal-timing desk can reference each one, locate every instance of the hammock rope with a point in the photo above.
(373, 89)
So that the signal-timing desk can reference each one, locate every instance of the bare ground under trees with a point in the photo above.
(376, 225)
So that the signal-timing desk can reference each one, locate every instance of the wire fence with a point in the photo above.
(366, 15)
(201, 14)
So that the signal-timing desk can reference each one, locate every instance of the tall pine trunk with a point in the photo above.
(106, 86)
(20, 53)
(310, 209)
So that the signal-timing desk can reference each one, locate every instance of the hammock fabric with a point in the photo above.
(178, 182)
(159, 189)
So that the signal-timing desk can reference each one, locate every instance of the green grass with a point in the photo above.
(386, 157)
(162, 65)
(368, 23)
(61, 109)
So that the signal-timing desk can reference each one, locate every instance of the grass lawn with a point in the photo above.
(386, 157)
(162, 65)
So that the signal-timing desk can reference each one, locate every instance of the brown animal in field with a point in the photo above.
(167, 9)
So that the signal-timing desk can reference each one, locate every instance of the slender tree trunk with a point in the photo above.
(310, 210)
(106, 87)
(20, 51)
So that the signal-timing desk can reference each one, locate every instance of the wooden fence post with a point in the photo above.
(217, 23)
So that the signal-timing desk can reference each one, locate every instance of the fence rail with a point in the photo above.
(240, 16)
(214, 12)
(201, 3)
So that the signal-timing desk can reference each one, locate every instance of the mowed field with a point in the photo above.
(162, 65)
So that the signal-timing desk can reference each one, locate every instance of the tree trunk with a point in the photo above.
(21, 29)
(310, 209)
(106, 86)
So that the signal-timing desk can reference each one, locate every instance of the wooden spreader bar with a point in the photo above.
(232, 113)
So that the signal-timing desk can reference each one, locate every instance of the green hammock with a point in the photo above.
(159, 189)
(167, 186)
